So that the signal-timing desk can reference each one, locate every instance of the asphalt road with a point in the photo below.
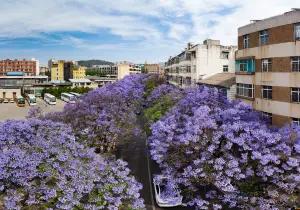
(135, 152)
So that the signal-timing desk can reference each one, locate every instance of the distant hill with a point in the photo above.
(90, 63)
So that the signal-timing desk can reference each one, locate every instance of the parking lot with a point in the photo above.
(12, 111)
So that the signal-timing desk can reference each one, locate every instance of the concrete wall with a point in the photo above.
(208, 61)
(9, 93)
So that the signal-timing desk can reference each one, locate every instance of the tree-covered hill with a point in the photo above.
(90, 63)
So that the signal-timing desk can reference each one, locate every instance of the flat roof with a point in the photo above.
(79, 80)
(225, 79)
(271, 22)
(23, 77)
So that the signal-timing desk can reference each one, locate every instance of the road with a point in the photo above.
(135, 152)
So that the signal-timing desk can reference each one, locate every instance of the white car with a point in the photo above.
(5, 100)
(166, 192)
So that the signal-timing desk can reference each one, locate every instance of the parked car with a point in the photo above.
(1, 100)
(11, 100)
(5, 100)
(167, 193)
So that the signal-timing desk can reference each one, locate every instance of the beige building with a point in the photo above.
(57, 70)
(126, 68)
(10, 93)
(268, 66)
(78, 72)
(153, 69)
(62, 70)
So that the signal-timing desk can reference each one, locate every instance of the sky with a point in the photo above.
(117, 30)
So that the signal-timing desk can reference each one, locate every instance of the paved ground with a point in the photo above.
(136, 153)
(12, 111)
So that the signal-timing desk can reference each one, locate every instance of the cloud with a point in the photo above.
(159, 26)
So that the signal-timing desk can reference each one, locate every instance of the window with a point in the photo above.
(295, 95)
(267, 92)
(266, 65)
(267, 116)
(296, 121)
(263, 37)
(297, 31)
(224, 55)
(246, 41)
(243, 66)
(295, 63)
(225, 68)
(245, 90)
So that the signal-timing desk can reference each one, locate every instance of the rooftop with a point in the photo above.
(221, 79)
(79, 80)
(289, 17)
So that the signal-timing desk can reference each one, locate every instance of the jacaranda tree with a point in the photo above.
(105, 116)
(42, 166)
(222, 154)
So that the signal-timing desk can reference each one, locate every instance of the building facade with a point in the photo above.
(28, 67)
(14, 84)
(62, 70)
(78, 72)
(126, 68)
(153, 69)
(268, 67)
(57, 70)
(199, 62)
(44, 71)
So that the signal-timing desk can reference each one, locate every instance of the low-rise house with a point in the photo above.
(224, 81)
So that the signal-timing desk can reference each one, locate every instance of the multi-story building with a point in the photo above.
(153, 68)
(57, 70)
(62, 70)
(78, 72)
(109, 71)
(125, 68)
(44, 71)
(29, 67)
(268, 66)
(199, 62)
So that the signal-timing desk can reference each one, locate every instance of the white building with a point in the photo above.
(83, 83)
(200, 61)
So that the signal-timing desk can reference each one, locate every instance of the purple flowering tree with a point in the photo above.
(106, 116)
(42, 166)
(222, 153)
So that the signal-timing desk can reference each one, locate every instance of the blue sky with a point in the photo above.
(133, 30)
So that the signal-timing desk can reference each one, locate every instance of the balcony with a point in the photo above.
(245, 66)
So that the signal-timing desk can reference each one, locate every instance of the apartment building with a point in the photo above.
(57, 70)
(125, 68)
(200, 61)
(78, 72)
(109, 71)
(153, 68)
(268, 66)
(62, 70)
(29, 67)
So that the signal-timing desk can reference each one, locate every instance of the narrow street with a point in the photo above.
(135, 152)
